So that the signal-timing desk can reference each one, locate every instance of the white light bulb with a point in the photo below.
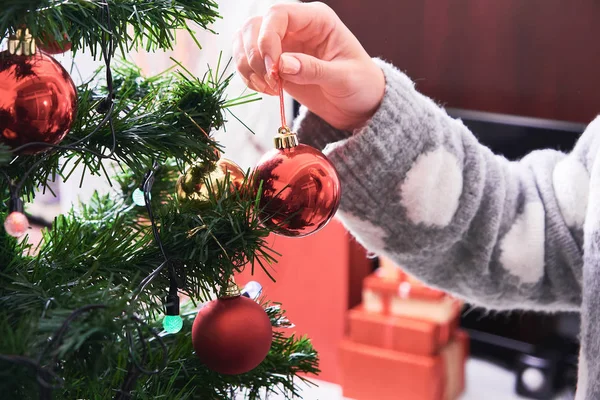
(252, 290)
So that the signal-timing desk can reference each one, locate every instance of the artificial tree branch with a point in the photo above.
(133, 24)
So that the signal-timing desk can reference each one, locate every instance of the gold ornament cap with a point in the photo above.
(285, 139)
(22, 43)
(231, 290)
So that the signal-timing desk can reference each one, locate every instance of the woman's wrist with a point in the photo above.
(377, 83)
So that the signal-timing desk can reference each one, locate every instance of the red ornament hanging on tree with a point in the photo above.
(233, 334)
(38, 99)
(301, 189)
(50, 45)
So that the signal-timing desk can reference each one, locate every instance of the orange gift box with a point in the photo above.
(411, 300)
(383, 290)
(398, 333)
(372, 373)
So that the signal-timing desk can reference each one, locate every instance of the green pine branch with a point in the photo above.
(103, 258)
(87, 247)
(133, 24)
(155, 118)
(37, 294)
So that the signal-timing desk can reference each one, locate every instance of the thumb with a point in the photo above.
(303, 69)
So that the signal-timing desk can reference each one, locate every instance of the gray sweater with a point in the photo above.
(420, 189)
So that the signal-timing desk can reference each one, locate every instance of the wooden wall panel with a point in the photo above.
(538, 58)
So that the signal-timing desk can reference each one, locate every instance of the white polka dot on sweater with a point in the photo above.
(369, 235)
(522, 249)
(571, 184)
(592, 220)
(432, 188)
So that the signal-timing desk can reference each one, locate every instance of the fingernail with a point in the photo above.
(257, 82)
(271, 81)
(289, 65)
(269, 65)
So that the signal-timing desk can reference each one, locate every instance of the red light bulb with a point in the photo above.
(16, 224)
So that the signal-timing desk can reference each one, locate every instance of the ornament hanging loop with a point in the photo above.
(285, 138)
(284, 130)
(275, 74)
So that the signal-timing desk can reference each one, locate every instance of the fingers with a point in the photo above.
(241, 63)
(248, 60)
(303, 69)
(253, 57)
(313, 19)
(258, 45)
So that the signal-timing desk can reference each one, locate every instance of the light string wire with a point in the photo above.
(147, 184)
(48, 380)
(135, 368)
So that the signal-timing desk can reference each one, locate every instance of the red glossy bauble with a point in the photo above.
(38, 101)
(301, 190)
(232, 335)
(48, 44)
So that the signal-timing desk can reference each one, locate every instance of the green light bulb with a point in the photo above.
(138, 197)
(172, 323)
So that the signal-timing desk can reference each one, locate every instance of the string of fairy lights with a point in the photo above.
(311, 195)
(16, 224)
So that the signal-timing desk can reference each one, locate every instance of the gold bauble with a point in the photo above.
(192, 188)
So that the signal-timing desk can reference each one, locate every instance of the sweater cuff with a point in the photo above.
(314, 131)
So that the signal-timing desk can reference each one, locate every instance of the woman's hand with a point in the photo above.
(320, 62)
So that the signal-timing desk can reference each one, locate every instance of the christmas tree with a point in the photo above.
(104, 306)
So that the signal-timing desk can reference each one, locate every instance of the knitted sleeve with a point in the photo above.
(420, 189)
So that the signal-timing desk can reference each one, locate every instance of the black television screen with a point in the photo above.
(515, 136)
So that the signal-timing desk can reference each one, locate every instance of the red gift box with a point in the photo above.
(372, 373)
(455, 356)
(397, 333)
(379, 292)
(411, 300)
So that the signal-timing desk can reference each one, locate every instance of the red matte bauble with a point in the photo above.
(50, 45)
(301, 190)
(232, 335)
(38, 101)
